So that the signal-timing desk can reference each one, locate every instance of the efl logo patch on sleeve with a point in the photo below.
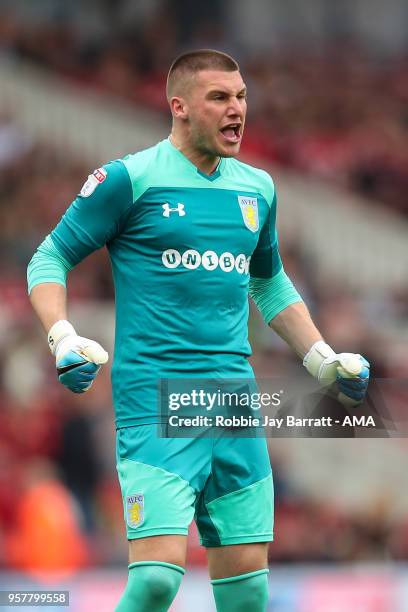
(94, 179)
(135, 509)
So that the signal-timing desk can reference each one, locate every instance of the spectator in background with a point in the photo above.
(44, 513)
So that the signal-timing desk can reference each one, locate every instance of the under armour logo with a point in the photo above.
(167, 210)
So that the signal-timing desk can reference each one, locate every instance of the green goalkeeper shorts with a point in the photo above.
(225, 484)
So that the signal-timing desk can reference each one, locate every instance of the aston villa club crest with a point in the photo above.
(135, 509)
(249, 209)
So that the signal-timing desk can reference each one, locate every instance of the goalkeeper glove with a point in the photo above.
(350, 371)
(78, 360)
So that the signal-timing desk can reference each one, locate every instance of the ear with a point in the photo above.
(179, 107)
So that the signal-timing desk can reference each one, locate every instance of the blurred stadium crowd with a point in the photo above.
(54, 447)
(341, 115)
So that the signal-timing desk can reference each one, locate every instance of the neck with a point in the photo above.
(205, 162)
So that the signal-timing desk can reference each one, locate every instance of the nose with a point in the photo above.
(235, 107)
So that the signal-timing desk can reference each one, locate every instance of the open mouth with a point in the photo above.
(232, 132)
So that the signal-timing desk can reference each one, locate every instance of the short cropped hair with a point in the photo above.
(191, 62)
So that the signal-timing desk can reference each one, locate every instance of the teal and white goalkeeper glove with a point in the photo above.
(350, 371)
(78, 360)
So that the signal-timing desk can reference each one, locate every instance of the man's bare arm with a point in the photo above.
(78, 359)
(49, 303)
(294, 325)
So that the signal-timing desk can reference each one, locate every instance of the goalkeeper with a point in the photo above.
(190, 231)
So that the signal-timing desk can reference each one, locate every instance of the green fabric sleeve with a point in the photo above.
(47, 266)
(265, 260)
(151, 587)
(241, 593)
(97, 215)
(271, 295)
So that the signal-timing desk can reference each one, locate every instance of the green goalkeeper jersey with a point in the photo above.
(182, 246)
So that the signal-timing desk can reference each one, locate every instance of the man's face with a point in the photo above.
(216, 110)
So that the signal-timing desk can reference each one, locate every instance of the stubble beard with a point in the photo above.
(210, 147)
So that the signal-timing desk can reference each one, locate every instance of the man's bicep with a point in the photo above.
(96, 215)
